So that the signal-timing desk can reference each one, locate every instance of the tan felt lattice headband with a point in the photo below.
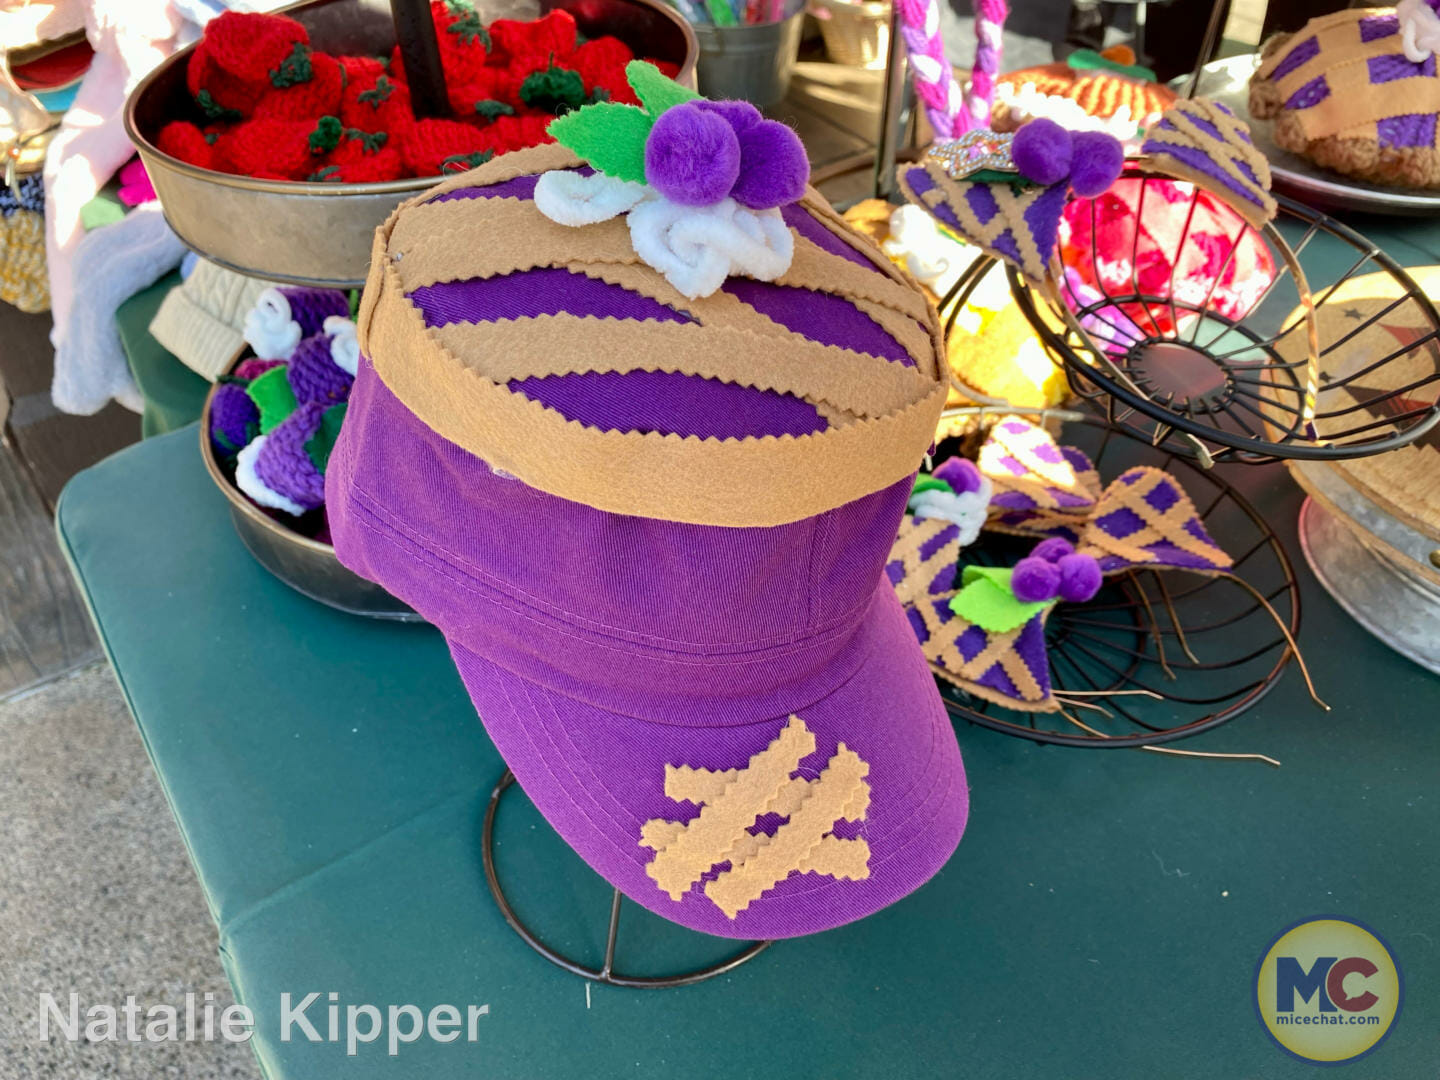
(881, 413)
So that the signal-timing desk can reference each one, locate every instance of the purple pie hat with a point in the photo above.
(653, 529)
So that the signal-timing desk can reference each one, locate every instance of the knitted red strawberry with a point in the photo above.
(183, 140)
(230, 67)
(361, 158)
(279, 149)
(376, 103)
(667, 68)
(429, 142)
(464, 41)
(361, 68)
(601, 64)
(550, 37)
(488, 84)
(517, 132)
(306, 86)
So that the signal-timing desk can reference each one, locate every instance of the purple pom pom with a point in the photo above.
(234, 419)
(1053, 550)
(253, 368)
(692, 156)
(314, 375)
(1042, 151)
(962, 474)
(283, 465)
(1096, 164)
(740, 115)
(1034, 581)
(1079, 578)
(773, 167)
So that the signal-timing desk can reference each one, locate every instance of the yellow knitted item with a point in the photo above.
(23, 278)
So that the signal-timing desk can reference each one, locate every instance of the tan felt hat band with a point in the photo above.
(747, 482)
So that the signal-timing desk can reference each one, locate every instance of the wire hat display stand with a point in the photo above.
(1157, 655)
(605, 973)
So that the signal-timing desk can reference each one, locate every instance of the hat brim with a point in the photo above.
(598, 777)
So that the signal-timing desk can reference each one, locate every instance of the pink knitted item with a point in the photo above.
(950, 110)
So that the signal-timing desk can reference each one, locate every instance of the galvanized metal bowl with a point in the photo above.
(319, 233)
(308, 566)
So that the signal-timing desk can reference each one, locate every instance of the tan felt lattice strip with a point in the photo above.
(794, 845)
(1189, 134)
(1168, 526)
(815, 268)
(534, 159)
(913, 337)
(709, 481)
(1033, 484)
(1033, 263)
(1037, 706)
(545, 345)
(1354, 101)
(710, 837)
(918, 573)
(450, 242)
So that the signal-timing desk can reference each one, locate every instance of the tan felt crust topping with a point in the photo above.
(1179, 115)
(1354, 103)
(1168, 526)
(882, 413)
(758, 482)
(545, 345)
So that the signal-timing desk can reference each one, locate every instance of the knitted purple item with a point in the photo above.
(314, 375)
(1053, 549)
(234, 420)
(962, 474)
(311, 307)
(1079, 577)
(692, 156)
(1042, 151)
(1035, 580)
(773, 166)
(253, 367)
(1097, 162)
(283, 465)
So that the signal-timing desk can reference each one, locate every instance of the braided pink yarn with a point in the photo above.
(950, 111)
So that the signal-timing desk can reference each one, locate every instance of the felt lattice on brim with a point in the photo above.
(1015, 223)
(1203, 142)
(1145, 519)
(522, 341)
(1346, 76)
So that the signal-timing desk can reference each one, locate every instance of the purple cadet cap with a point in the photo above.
(653, 532)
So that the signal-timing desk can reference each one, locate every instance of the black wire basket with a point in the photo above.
(1252, 379)
(1156, 656)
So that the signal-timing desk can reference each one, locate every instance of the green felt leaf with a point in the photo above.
(319, 445)
(489, 108)
(655, 91)
(985, 599)
(272, 395)
(610, 136)
(556, 89)
(930, 483)
(294, 69)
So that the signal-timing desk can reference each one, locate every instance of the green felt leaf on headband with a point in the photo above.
(930, 483)
(985, 599)
(319, 445)
(655, 91)
(610, 136)
(272, 395)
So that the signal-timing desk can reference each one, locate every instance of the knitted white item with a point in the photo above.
(344, 346)
(569, 198)
(201, 320)
(967, 509)
(930, 257)
(248, 481)
(1419, 30)
(90, 364)
(695, 248)
(269, 329)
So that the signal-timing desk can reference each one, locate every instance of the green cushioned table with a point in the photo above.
(1102, 917)
(174, 395)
